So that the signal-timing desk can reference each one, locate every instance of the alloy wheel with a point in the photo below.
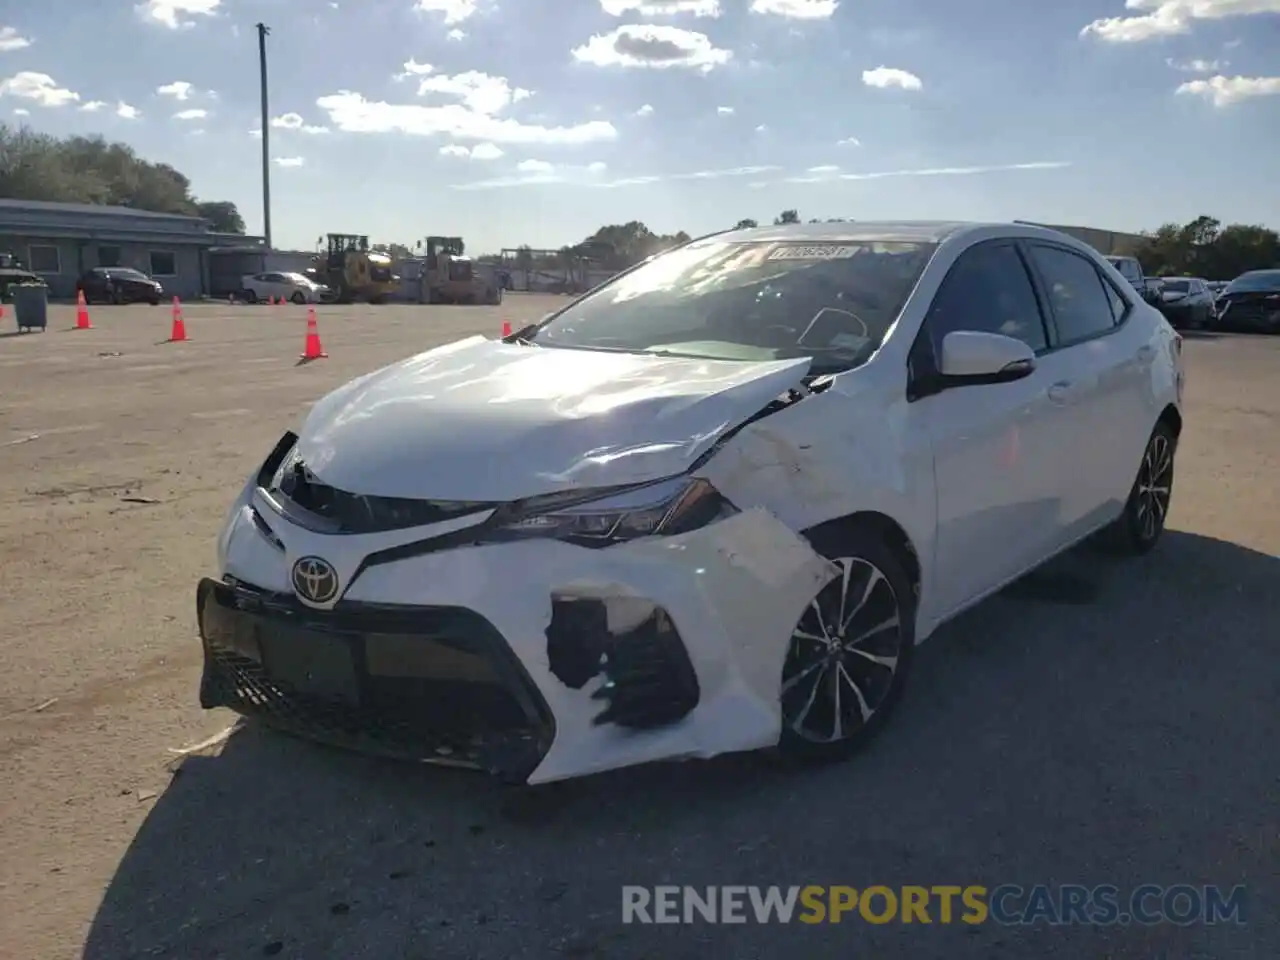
(1155, 481)
(844, 655)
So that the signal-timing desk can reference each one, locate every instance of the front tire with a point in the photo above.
(1141, 525)
(849, 655)
(299, 297)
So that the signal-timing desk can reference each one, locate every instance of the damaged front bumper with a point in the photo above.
(536, 660)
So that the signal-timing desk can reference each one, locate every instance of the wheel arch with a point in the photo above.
(1172, 417)
(885, 529)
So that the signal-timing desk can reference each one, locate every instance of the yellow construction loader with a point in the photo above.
(450, 277)
(352, 272)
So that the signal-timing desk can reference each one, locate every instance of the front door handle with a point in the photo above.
(1060, 392)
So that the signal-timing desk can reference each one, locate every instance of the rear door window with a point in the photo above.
(1077, 293)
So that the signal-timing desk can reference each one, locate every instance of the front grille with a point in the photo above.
(355, 513)
(425, 684)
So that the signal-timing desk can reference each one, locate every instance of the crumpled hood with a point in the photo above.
(483, 420)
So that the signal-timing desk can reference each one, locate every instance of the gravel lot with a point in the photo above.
(1101, 722)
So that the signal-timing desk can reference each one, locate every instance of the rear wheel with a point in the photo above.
(850, 654)
(250, 296)
(1139, 528)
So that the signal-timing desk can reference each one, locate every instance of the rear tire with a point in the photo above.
(1140, 527)
(849, 656)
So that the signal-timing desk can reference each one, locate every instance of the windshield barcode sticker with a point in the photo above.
(825, 251)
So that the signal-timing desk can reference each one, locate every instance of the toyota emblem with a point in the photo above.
(315, 580)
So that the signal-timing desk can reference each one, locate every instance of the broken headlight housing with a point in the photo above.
(604, 516)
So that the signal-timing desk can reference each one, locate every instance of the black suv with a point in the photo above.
(118, 285)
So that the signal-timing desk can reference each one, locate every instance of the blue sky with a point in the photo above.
(519, 122)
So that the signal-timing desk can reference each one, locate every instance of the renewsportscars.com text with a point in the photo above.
(1005, 905)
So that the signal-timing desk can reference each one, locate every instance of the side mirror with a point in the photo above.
(969, 357)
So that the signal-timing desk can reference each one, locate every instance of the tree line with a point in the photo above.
(1205, 248)
(77, 169)
(38, 166)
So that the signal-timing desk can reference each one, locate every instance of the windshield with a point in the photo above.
(1255, 280)
(1175, 286)
(124, 273)
(762, 300)
(298, 278)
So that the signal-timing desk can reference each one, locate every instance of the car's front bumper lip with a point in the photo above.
(430, 684)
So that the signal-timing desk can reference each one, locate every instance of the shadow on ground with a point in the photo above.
(1102, 722)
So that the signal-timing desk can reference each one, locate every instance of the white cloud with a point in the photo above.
(481, 151)
(825, 168)
(535, 172)
(479, 91)
(645, 111)
(849, 142)
(288, 161)
(1197, 66)
(652, 45)
(455, 34)
(174, 14)
(353, 113)
(762, 129)
(127, 111)
(885, 77)
(455, 11)
(720, 174)
(812, 177)
(93, 106)
(534, 166)
(21, 112)
(256, 134)
(796, 9)
(662, 8)
(11, 40)
(179, 90)
(37, 87)
(1224, 91)
(412, 68)
(295, 121)
(193, 114)
(1165, 18)
(724, 111)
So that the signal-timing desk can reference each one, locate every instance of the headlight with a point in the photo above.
(605, 516)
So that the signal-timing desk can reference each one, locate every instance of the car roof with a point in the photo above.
(886, 231)
(919, 231)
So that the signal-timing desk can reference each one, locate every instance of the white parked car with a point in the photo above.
(282, 285)
(710, 507)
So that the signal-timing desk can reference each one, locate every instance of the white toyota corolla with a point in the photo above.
(710, 506)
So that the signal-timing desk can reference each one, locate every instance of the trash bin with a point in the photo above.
(30, 305)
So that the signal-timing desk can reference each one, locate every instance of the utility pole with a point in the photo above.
(263, 31)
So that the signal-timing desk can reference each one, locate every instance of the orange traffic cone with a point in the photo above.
(82, 313)
(312, 350)
(506, 329)
(178, 333)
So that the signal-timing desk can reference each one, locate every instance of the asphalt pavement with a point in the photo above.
(1102, 722)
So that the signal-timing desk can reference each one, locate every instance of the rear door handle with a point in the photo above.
(1060, 392)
